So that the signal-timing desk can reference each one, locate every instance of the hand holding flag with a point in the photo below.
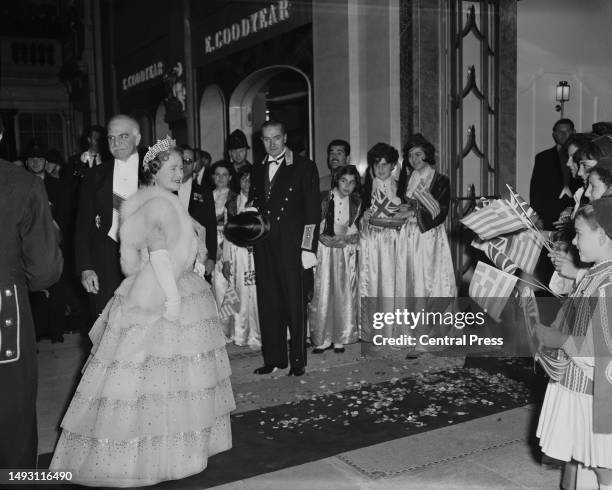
(382, 206)
(422, 194)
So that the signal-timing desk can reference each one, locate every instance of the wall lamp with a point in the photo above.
(562, 95)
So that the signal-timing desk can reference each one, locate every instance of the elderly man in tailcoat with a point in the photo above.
(103, 189)
(30, 260)
(285, 187)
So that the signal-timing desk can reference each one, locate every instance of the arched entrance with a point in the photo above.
(213, 122)
(278, 92)
(161, 126)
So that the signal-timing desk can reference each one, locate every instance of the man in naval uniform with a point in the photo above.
(30, 260)
(103, 190)
(284, 187)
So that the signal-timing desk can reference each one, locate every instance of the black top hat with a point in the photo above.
(246, 228)
(237, 139)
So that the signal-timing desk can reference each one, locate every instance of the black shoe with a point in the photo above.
(339, 350)
(297, 371)
(320, 350)
(268, 368)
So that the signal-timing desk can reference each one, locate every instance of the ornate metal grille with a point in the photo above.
(472, 49)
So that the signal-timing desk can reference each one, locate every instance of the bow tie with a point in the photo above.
(275, 161)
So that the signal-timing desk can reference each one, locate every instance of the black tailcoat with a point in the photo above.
(30, 259)
(94, 249)
(202, 209)
(546, 186)
(292, 204)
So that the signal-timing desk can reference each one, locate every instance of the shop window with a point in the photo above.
(47, 129)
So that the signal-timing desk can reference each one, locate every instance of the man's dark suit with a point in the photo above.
(94, 249)
(30, 259)
(292, 204)
(547, 182)
(202, 209)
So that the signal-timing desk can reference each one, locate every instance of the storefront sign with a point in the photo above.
(256, 22)
(151, 72)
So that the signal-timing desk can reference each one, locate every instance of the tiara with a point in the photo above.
(157, 148)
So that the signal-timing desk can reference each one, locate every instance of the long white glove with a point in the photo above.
(309, 260)
(160, 261)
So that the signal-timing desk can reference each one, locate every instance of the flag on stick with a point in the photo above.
(524, 249)
(493, 220)
(490, 288)
(518, 203)
(426, 199)
(230, 304)
(495, 250)
(382, 206)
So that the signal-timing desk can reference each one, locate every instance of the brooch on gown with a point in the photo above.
(98, 221)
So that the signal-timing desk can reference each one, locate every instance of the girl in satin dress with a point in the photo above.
(379, 268)
(221, 173)
(423, 244)
(333, 311)
(239, 271)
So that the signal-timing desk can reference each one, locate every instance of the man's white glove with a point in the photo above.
(309, 260)
(160, 261)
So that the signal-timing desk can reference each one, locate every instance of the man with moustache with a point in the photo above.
(338, 154)
(285, 188)
(197, 199)
(103, 189)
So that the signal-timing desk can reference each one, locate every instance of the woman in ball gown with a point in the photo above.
(154, 400)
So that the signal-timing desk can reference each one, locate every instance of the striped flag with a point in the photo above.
(490, 288)
(495, 250)
(230, 304)
(426, 199)
(518, 203)
(524, 249)
(493, 220)
(382, 206)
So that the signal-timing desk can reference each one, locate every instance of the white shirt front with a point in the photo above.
(125, 183)
(125, 176)
(184, 192)
(274, 166)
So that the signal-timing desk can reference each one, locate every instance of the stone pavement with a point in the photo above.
(490, 452)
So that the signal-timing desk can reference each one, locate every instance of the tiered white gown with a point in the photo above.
(154, 400)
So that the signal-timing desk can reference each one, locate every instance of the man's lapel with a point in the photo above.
(105, 189)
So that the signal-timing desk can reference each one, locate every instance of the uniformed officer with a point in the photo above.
(285, 186)
(30, 259)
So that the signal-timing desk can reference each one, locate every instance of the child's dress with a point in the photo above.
(380, 273)
(242, 279)
(219, 283)
(334, 309)
(423, 244)
(576, 417)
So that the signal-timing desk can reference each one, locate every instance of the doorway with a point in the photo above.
(282, 93)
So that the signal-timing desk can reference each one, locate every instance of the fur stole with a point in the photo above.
(153, 209)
